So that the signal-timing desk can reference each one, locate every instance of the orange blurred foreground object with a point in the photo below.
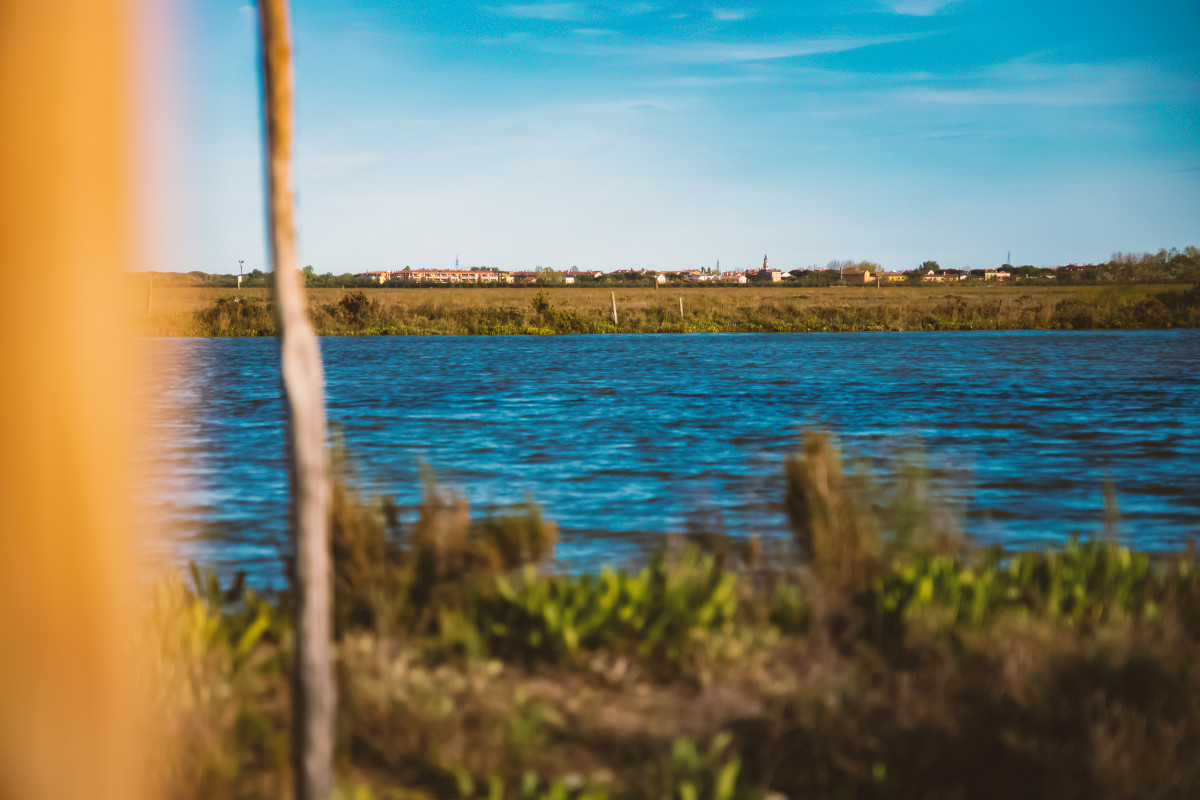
(68, 715)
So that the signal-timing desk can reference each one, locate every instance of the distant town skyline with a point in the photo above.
(619, 134)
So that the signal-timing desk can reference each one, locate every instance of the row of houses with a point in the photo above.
(483, 275)
(866, 277)
(473, 275)
(952, 275)
(438, 276)
(764, 275)
(477, 276)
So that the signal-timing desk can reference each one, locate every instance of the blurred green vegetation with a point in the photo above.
(879, 654)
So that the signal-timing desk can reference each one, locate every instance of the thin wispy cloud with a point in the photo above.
(709, 81)
(507, 39)
(946, 135)
(594, 31)
(637, 9)
(734, 52)
(546, 11)
(1007, 97)
(920, 8)
(732, 14)
(640, 105)
(1031, 82)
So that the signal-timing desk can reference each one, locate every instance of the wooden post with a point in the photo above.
(681, 308)
(614, 301)
(313, 691)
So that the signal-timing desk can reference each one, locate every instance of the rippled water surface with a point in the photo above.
(621, 438)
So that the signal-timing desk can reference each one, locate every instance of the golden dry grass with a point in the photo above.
(451, 310)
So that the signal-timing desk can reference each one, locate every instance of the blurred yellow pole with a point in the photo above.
(67, 713)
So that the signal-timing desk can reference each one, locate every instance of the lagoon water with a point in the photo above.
(623, 438)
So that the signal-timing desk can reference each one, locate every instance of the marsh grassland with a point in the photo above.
(877, 655)
(748, 309)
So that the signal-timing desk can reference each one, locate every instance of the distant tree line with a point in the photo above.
(1165, 266)
(253, 279)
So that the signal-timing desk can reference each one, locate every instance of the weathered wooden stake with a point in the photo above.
(313, 693)
(614, 299)
(681, 308)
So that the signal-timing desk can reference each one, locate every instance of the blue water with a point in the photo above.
(623, 438)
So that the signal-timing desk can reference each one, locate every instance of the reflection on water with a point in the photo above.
(620, 436)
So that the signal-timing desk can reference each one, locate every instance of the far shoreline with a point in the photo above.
(227, 312)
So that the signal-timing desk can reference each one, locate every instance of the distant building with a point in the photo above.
(766, 274)
(945, 275)
(990, 275)
(853, 276)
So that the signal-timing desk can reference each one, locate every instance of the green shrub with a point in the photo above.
(665, 613)
(692, 774)
(237, 316)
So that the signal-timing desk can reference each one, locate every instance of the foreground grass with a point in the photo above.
(507, 310)
(879, 656)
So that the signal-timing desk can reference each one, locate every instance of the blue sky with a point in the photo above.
(672, 134)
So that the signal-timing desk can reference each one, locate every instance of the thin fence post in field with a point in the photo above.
(681, 308)
(313, 694)
(614, 302)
